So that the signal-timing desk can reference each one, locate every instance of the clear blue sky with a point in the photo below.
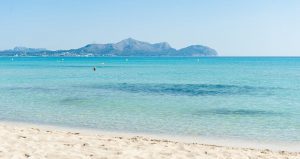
(232, 27)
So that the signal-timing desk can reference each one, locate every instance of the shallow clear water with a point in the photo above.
(242, 98)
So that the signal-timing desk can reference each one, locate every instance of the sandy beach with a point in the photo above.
(34, 141)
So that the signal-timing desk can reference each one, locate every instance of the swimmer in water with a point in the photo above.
(94, 68)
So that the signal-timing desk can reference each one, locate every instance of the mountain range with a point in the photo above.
(126, 47)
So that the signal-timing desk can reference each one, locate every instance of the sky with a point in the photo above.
(232, 27)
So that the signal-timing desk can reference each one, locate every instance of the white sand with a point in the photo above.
(19, 141)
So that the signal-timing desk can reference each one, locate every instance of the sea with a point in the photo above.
(247, 98)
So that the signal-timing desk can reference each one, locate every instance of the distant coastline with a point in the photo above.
(126, 47)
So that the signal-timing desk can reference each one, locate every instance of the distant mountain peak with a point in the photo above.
(132, 44)
(164, 45)
(129, 39)
(198, 50)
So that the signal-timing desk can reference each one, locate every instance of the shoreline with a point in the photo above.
(233, 143)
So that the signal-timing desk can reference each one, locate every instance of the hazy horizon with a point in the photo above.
(233, 28)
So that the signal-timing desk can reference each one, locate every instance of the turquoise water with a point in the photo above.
(227, 97)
